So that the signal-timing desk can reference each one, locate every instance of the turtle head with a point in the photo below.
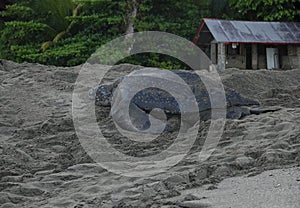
(103, 95)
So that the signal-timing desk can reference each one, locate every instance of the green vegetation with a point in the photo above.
(67, 32)
(267, 10)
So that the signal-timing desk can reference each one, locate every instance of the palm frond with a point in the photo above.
(46, 45)
(55, 10)
(59, 36)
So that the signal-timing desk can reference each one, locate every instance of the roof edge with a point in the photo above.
(213, 21)
(208, 18)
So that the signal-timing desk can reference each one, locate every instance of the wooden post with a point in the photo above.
(298, 56)
(221, 56)
(213, 51)
(254, 57)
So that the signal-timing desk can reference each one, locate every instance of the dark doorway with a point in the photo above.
(248, 56)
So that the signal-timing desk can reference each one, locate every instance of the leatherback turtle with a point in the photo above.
(148, 99)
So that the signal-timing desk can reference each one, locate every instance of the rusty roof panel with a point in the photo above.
(254, 32)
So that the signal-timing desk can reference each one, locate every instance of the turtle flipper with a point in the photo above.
(260, 110)
(139, 120)
(237, 112)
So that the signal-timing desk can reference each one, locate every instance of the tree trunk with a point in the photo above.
(133, 5)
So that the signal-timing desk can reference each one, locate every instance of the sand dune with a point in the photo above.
(42, 163)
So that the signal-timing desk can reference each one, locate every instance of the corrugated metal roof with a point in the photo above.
(254, 32)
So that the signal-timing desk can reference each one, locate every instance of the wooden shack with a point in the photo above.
(250, 45)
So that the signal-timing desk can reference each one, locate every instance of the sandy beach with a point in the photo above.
(43, 164)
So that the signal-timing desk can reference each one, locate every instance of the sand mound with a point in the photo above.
(42, 163)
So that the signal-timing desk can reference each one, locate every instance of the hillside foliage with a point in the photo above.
(67, 32)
